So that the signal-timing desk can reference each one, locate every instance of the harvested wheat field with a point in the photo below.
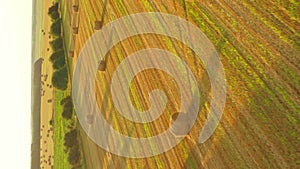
(258, 43)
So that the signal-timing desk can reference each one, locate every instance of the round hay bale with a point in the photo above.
(71, 53)
(174, 117)
(98, 25)
(75, 8)
(102, 65)
(182, 126)
(89, 119)
(75, 30)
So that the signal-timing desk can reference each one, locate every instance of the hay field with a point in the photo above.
(259, 46)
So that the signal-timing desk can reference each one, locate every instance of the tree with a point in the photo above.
(67, 114)
(74, 156)
(55, 28)
(68, 108)
(66, 99)
(57, 54)
(54, 15)
(68, 105)
(52, 8)
(60, 79)
(71, 139)
(59, 63)
(57, 44)
(51, 122)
